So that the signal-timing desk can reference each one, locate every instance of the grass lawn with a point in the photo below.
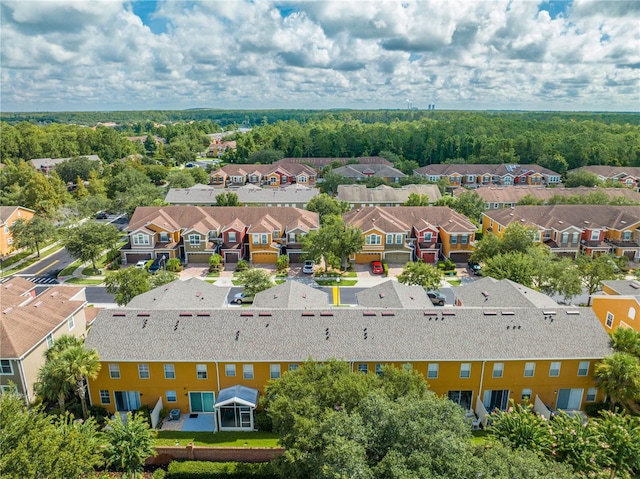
(280, 281)
(480, 437)
(68, 271)
(15, 258)
(215, 274)
(210, 281)
(333, 282)
(84, 281)
(454, 282)
(220, 439)
(91, 272)
(236, 282)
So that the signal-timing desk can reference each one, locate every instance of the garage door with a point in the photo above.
(365, 258)
(295, 258)
(459, 257)
(134, 258)
(397, 257)
(231, 257)
(199, 258)
(264, 258)
(630, 254)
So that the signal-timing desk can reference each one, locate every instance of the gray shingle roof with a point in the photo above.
(392, 294)
(247, 194)
(610, 171)
(624, 287)
(513, 194)
(293, 335)
(291, 294)
(385, 194)
(188, 294)
(447, 169)
(492, 293)
(378, 170)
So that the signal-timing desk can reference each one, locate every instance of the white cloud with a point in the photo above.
(66, 55)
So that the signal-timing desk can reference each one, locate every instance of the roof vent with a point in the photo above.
(186, 314)
(120, 314)
(448, 313)
(634, 285)
(573, 312)
(490, 313)
(37, 304)
(326, 334)
(144, 314)
(237, 335)
(308, 313)
(175, 327)
(365, 334)
(381, 295)
(326, 313)
(144, 323)
(431, 313)
(202, 314)
(507, 313)
(388, 313)
(249, 315)
(548, 313)
(7, 311)
(369, 313)
(485, 294)
(264, 314)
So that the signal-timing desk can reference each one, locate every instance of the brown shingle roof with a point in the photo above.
(513, 194)
(320, 162)
(402, 218)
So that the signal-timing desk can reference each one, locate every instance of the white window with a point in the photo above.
(498, 369)
(255, 239)
(230, 370)
(104, 397)
(595, 235)
(274, 371)
(294, 367)
(591, 394)
(6, 367)
(454, 239)
(265, 239)
(575, 237)
(292, 237)
(71, 323)
(609, 321)
(194, 240)
(529, 370)
(302, 179)
(632, 313)
(427, 236)
(231, 236)
(373, 239)
(114, 371)
(379, 369)
(171, 396)
(363, 368)
(141, 239)
(432, 370)
(398, 239)
(526, 394)
(565, 238)
(389, 239)
(465, 370)
(50, 341)
(9, 240)
(276, 233)
(201, 371)
(464, 239)
(143, 371)
(583, 368)
(626, 236)
(247, 371)
(471, 178)
(164, 237)
(496, 206)
(554, 370)
(169, 371)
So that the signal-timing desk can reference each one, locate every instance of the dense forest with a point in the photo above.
(559, 141)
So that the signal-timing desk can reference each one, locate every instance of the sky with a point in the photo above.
(576, 55)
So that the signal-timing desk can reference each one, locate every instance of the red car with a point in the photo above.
(376, 267)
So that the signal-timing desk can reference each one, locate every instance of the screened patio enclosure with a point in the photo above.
(235, 408)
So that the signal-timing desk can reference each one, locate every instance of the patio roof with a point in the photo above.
(237, 395)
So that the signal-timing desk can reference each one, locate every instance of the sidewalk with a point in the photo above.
(18, 264)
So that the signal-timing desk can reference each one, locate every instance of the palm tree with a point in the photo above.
(52, 383)
(618, 376)
(63, 342)
(626, 340)
(79, 365)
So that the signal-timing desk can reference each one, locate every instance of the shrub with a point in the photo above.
(385, 268)
(446, 265)
(159, 474)
(263, 422)
(220, 470)
(242, 265)
(215, 263)
(146, 412)
(99, 413)
(174, 265)
(593, 410)
(114, 265)
(282, 263)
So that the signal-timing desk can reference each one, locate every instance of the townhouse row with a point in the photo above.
(261, 234)
(478, 357)
(571, 229)
(475, 175)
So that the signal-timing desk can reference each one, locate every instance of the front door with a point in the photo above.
(570, 399)
(127, 400)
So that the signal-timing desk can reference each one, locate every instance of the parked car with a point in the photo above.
(308, 266)
(190, 165)
(376, 267)
(141, 264)
(103, 215)
(155, 266)
(243, 297)
(474, 267)
(436, 298)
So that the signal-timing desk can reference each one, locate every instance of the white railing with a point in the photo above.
(481, 412)
(541, 408)
(155, 414)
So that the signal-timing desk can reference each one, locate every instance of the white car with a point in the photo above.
(141, 264)
(308, 266)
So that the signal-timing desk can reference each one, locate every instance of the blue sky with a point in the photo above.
(236, 54)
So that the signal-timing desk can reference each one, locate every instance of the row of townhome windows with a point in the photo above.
(498, 369)
(201, 371)
(398, 238)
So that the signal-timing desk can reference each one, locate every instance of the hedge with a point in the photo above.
(221, 470)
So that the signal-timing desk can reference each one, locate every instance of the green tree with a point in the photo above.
(199, 175)
(87, 241)
(581, 178)
(447, 200)
(470, 204)
(516, 266)
(528, 200)
(422, 274)
(150, 145)
(129, 444)
(325, 205)
(265, 157)
(79, 166)
(157, 173)
(626, 340)
(333, 241)
(416, 199)
(34, 445)
(618, 376)
(556, 275)
(52, 384)
(255, 280)
(79, 365)
(619, 434)
(521, 428)
(138, 195)
(180, 179)
(331, 181)
(96, 185)
(227, 199)
(576, 442)
(43, 194)
(282, 263)
(406, 166)
(594, 271)
(127, 283)
(32, 233)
